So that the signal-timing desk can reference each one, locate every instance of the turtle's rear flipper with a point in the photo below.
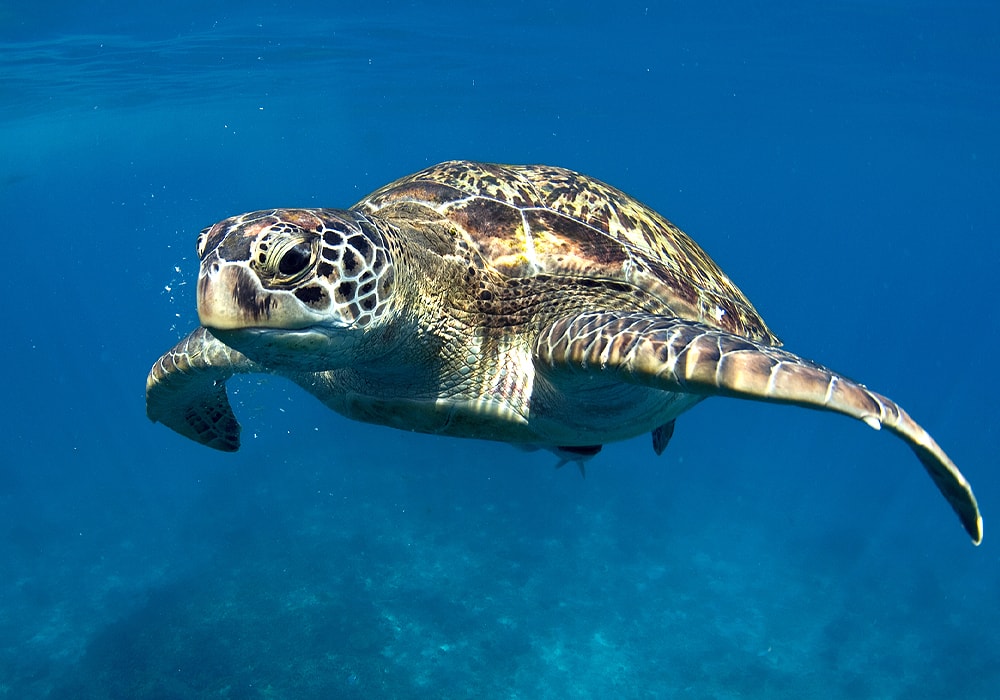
(685, 356)
(576, 454)
(186, 390)
(662, 435)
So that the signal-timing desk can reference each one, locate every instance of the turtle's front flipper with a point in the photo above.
(186, 390)
(684, 356)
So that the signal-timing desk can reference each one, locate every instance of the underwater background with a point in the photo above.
(838, 159)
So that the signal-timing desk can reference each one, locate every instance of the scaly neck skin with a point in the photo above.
(431, 341)
(413, 350)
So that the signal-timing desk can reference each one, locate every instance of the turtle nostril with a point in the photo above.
(295, 260)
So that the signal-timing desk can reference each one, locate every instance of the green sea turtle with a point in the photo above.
(526, 304)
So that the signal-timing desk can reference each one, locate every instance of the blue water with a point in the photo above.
(839, 161)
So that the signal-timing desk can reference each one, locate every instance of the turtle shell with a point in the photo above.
(527, 220)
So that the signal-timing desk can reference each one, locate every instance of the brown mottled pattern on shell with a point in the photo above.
(578, 226)
(680, 355)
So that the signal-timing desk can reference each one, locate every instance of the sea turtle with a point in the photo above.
(526, 304)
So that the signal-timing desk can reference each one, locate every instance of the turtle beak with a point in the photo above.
(269, 326)
(231, 297)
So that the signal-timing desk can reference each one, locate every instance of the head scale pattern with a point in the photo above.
(355, 265)
(332, 261)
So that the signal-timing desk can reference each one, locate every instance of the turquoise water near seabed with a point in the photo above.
(839, 161)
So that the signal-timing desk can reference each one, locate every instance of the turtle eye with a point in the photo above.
(295, 260)
(284, 256)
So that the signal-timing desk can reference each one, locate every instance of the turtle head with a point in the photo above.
(295, 288)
